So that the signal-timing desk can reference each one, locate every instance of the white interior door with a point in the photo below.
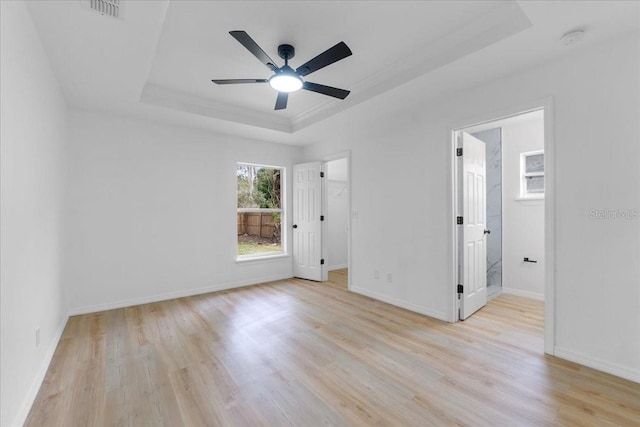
(307, 226)
(474, 243)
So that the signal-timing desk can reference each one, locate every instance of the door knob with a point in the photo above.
(487, 231)
(295, 225)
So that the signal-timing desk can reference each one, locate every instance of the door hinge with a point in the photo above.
(459, 220)
(458, 152)
(321, 174)
(321, 217)
(322, 261)
(460, 289)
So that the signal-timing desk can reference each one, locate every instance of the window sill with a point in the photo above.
(261, 258)
(530, 200)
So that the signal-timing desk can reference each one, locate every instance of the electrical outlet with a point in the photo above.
(376, 274)
(37, 337)
(389, 277)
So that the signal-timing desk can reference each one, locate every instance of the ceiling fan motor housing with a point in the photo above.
(286, 51)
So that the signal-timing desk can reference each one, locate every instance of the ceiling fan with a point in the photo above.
(286, 79)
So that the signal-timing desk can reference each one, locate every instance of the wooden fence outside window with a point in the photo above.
(258, 224)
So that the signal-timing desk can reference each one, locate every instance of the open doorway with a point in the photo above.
(321, 220)
(500, 205)
(336, 225)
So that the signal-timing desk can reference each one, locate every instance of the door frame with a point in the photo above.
(546, 104)
(325, 270)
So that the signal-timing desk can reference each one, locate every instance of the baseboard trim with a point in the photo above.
(173, 295)
(399, 303)
(30, 398)
(494, 294)
(337, 267)
(525, 294)
(598, 364)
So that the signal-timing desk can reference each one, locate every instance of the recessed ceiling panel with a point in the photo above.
(392, 43)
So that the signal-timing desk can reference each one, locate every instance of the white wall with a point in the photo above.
(401, 187)
(31, 151)
(523, 221)
(337, 187)
(153, 209)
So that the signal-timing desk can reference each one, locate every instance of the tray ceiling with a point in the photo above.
(157, 58)
(392, 43)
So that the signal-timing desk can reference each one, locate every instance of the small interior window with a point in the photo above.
(532, 175)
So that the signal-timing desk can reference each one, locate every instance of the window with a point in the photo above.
(259, 215)
(532, 172)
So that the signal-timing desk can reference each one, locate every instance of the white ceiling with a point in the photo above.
(157, 60)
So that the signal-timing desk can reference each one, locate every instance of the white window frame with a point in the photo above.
(524, 194)
(268, 255)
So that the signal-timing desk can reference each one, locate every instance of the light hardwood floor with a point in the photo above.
(308, 354)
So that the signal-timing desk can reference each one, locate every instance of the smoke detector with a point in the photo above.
(106, 7)
(572, 37)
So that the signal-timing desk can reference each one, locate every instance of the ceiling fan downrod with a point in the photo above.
(286, 52)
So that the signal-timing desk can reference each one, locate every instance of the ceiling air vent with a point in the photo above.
(106, 7)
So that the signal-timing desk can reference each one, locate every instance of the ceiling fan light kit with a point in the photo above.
(285, 79)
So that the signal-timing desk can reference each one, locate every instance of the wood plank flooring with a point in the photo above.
(308, 354)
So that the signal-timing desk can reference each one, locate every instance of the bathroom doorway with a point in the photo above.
(506, 250)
